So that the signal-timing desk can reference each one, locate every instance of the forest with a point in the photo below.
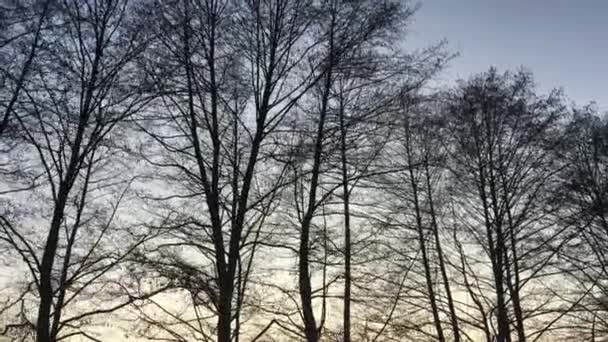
(286, 170)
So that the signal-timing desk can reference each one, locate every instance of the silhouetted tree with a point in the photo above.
(65, 171)
(504, 170)
(227, 73)
(584, 193)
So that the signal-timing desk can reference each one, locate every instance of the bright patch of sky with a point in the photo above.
(563, 42)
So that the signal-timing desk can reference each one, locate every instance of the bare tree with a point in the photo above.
(414, 189)
(274, 170)
(71, 125)
(235, 70)
(584, 193)
(345, 28)
(504, 170)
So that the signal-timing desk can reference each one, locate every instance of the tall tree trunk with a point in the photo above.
(224, 319)
(501, 263)
(496, 257)
(50, 249)
(442, 267)
(513, 281)
(310, 325)
(43, 333)
(421, 235)
(347, 237)
(513, 286)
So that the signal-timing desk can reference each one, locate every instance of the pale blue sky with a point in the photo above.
(564, 42)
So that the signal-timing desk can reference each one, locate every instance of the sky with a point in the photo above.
(563, 42)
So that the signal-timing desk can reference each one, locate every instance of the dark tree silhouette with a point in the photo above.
(71, 118)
